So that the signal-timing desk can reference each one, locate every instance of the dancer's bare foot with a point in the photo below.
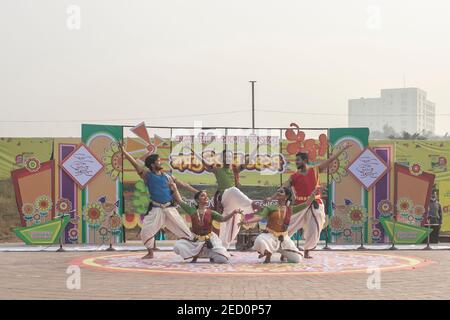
(306, 255)
(268, 256)
(149, 255)
(194, 260)
(283, 258)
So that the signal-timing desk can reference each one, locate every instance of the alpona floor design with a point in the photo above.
(247, 263)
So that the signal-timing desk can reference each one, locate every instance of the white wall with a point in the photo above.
(404, 109)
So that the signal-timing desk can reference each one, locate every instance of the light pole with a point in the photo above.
(253, 103)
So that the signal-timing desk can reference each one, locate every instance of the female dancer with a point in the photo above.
(204, 243)
(275, 238)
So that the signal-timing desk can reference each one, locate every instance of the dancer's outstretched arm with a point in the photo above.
(187, 208)
(176, 194)
(184, 185)
(252, 220)
(141, 170)
(191, 211)
(260, 215)
(177, 197)
(217, 216)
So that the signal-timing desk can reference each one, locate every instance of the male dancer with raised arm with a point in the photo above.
(163, 212)
(303, 182)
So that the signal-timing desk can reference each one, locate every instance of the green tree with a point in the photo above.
(388, 132)
(408, 136)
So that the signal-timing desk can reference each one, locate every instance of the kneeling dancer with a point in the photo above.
(204, 243)
(275, 238)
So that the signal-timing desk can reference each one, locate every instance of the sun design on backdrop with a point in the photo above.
(43, 204)
(299, 144)
(337, 168)
(28, 211)
(37, 218)
(404, 206)
(415, 169)
(116, 223)
(348, 235)
(94, 214)
(418, 212)
(32, 164)
(385, 208)
(113, 161)
(357, 215)
(376, 234)
(130, 220)
(337, 225)
(63, 206)
(104, 233)
(73, 234)
(411, 220)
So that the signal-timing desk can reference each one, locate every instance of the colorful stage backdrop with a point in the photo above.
(348, 203)
(102, 197)
(43, 188)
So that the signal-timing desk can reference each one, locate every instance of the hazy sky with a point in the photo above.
(170, 62)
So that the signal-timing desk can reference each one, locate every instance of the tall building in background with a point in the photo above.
(405, 109)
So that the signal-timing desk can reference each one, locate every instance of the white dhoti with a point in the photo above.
(189, 249)
(269, 242)
(159, 218)
(232, 199)
(312, 221)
